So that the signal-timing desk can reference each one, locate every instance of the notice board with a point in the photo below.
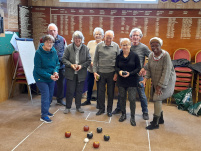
(178, 28)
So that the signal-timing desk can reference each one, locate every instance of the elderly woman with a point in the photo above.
(76, 59)
(98, 35)
(46, 66)
(127, 66)
(162, 73)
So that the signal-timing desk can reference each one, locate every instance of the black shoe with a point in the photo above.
(122, 118)
(116, 111)
(152, 127)
(109, 114)
(86, 103)
(132, 121)
(61, 102)
(145, 116)
(101, 111)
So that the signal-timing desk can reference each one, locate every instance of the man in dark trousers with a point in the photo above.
(60, 45)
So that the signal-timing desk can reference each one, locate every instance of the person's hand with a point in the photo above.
(96, 75)
(142, 72)
(91, 64)
(143, 82)
(73, 66)
(159, 90)
(54, 78)
(127, 73)
(115, 77)
(78, 67)
(56, 75)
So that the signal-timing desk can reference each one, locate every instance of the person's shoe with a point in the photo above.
(122, 118)
(100, 111)
(80, 110)
(50, 114)
(66, 111)
(161, 120)
(86, 103)
(109, 114)
(154, 124)
(116, 111)
(61, 102)
(46, 119)
(132, 121)
(145, 116)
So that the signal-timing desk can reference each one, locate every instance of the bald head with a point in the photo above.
(109, 36)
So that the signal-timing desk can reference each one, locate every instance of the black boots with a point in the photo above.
(154, 123)
(161, 120)
(122, 118)
(132, 120)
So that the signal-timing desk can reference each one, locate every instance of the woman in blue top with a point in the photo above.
(46, 65)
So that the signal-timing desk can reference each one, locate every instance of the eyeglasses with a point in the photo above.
(49, 43)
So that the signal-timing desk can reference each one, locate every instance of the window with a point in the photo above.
(113, 1)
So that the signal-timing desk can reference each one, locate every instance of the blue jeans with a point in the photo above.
(142, 97)
(46, 89)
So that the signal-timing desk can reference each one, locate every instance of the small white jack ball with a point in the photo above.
(86, 140)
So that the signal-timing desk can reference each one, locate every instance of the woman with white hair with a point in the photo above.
(161, 70)
(127, 66)
(76, 59)
(98, 35)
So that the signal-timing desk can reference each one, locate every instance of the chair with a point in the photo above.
(198, 81)
(184, 75)
(18, 74)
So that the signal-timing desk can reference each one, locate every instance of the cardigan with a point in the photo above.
(69, 58)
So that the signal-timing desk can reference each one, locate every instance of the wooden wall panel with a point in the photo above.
(178, 28)
(5, 77)
(165, 5)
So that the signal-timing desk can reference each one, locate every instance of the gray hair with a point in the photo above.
(110, 31)
(47, 38)
(125, 39)
(79, 35)
(99, 30)
(52, 24)
(136, 30)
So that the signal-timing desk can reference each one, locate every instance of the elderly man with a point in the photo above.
(104, 71)
(142, 51)
(60, 45)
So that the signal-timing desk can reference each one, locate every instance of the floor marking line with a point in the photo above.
(110, 119)
(27, 136)
(88, 116)
(56, 111)
(98, 121)
(84, 146)
(148, 137)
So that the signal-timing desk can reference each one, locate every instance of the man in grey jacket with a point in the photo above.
(104, 67)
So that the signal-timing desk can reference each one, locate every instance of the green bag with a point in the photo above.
(183, 99)
(195, 109)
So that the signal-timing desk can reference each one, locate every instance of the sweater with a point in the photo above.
(130, 64)
(142, 51)
(105, 57)
(45, 64)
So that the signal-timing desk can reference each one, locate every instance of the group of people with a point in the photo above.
(108, 65)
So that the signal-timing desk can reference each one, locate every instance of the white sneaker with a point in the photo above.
(66, 111)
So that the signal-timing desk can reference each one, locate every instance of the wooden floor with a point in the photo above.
(21, 129)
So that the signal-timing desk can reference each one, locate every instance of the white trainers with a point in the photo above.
(66, 111)
(80, 110)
